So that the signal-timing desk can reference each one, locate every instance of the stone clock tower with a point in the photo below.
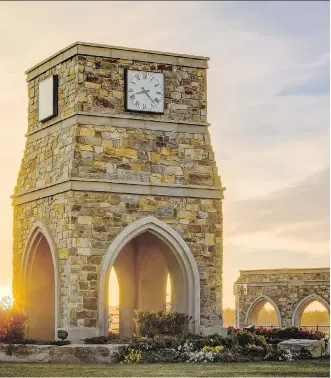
(118, 172)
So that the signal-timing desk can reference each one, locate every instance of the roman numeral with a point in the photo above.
(156, 100)
(145, 75)
(144, 107)
(132, 97)
(158, 92)
(137, 104)
(137, 76)
(156, 85)
(130, 90)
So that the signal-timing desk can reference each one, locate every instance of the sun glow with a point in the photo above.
(6, 291)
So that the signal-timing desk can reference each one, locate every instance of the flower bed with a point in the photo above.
(276, 335)
(240, 346)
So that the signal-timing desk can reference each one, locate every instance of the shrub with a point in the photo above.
(112, 338)
(275, 335)
(12, 325)
(166, 355)
(132, 356)
(254, 350)
(42, 342)
(96, 340)
(150, 323)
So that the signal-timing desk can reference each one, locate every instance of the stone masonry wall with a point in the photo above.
(47, 160)
(84, 224)
(101, 88)
(148, 156)
(286, 287)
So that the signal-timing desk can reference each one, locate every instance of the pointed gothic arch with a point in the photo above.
(180, 252)
(40, 252)
(300, 308)
(257, 305)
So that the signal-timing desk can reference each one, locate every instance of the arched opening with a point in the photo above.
(39, 298)
(263, 312)
(314, 314)
(114, 309)
(143, 268)
(152, 264)
(312, 309)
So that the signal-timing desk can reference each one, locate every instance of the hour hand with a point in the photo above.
(143, 91)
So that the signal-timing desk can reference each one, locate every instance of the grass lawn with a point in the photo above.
(312, 368)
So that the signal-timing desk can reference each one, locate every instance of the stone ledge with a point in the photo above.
(109, 51)
(125, 121)
(73, 353)
(281, 283)
(77, 184)
(285, 270)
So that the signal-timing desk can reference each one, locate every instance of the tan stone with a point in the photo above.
(84, 220)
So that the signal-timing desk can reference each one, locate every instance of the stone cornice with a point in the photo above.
(283, 283)
(284, 271)
(138, 188)
(119, 121)
(108, 51)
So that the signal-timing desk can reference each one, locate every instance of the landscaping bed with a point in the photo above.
(162, 337)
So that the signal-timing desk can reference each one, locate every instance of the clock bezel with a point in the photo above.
(126, 70)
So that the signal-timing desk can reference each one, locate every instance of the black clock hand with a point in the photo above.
(146, 93)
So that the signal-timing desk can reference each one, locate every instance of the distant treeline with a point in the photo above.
(269, 317)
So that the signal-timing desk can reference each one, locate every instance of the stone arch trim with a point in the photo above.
(178, 247)
(305, 301)
(262, 298)
(35, 235)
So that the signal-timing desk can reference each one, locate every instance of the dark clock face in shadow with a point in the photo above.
(145, 91)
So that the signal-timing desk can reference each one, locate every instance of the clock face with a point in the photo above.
(144, 91)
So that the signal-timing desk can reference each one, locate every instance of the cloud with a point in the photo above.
(300, 206)
(318, 84)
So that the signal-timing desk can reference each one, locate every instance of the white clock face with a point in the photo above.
(145, 91)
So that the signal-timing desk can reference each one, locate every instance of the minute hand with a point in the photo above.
(146, 93)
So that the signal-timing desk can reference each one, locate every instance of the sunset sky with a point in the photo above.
(268, 105)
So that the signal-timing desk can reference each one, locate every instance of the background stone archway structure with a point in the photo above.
(94, 170)
(290, 291)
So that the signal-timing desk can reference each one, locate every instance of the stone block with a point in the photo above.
(217, 329)
(316, 347)
(24, 353)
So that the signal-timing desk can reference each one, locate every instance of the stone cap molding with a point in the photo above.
(119, 52)
(285, 270)
(138, 188)
(127, 121)
(281, 283)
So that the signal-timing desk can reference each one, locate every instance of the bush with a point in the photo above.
(275, 335)
(166, 355)
(41, 342)
(254, 350)
(240, 346)
(112, 338)
(149, 324)
(12, 325)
